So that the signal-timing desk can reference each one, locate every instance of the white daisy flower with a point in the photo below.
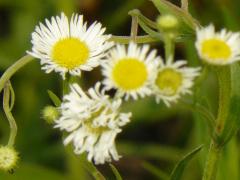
(65, 46)
(130, 70)
(93, 121)
(219, 48)
(173, 80)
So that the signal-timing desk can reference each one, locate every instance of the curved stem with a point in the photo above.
(13, 69)
(224, 81)
(7, 110)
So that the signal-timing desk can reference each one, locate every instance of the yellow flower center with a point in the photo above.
(129, 73)
(168, 81)
(216, 49)
(70, 53)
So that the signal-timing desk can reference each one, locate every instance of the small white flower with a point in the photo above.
(219, 48)
(130, 70)
(65, 46)
(93, 122)
(173, 80)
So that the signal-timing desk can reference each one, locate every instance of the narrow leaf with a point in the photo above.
(115, 172)
(55, 99)
(179, 168)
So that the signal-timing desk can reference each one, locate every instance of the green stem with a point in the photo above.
(224, 81)
(169, 48)
(13, 69)
(7, 110)
(184, 5)
(134, 28)
(127, 39)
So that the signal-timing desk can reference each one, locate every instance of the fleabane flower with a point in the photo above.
(69, 46)
(8, 158)
(93, 122)
(218, 48)
(173, 80)
(130, 70)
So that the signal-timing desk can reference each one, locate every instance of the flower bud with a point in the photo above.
(50, 114)
(168, 24)
(8, 158)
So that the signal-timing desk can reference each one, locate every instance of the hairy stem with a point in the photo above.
(215, 149)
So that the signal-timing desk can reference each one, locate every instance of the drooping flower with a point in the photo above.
(173, 80)
(93, 122)
(8, 158)
(64, 46)
(130, 70)
(218, 48)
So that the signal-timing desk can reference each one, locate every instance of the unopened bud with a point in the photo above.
(167, 22)
(8, 158)
(50, 114)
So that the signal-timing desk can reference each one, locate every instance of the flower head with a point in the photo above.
(8, 158)
(93, 121)
(130, 70)
(219, 48)
(65, 46)
(173, 80)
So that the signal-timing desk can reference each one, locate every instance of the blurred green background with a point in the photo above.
(157, 135)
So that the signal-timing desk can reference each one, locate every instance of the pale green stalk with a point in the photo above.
(7, 110)
(8, 96)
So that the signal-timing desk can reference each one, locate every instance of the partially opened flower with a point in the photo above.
(130, 70)
(173, 80)
(65, 46)
(93, 121)
(219, 48)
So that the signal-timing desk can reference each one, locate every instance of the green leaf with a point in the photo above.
(55, 99)
(179, 168)
(115, 172)
(166, 7)
(155, 171)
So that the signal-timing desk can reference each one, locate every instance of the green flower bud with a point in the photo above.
(50, 114)
(167, 22)
(8, 158)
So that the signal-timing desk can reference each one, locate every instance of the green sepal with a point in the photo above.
(55, 99)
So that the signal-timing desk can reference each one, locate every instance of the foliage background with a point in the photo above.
(156, 134)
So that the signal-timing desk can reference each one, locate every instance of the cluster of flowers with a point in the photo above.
(93, 118)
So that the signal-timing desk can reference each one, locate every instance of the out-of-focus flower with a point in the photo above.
(8, 158)
(173, 80)
(219, 48)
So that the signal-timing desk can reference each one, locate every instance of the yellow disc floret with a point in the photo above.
(129, 74)
(70, 53)
(168, 81)
(216, 49)
(8, 158)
